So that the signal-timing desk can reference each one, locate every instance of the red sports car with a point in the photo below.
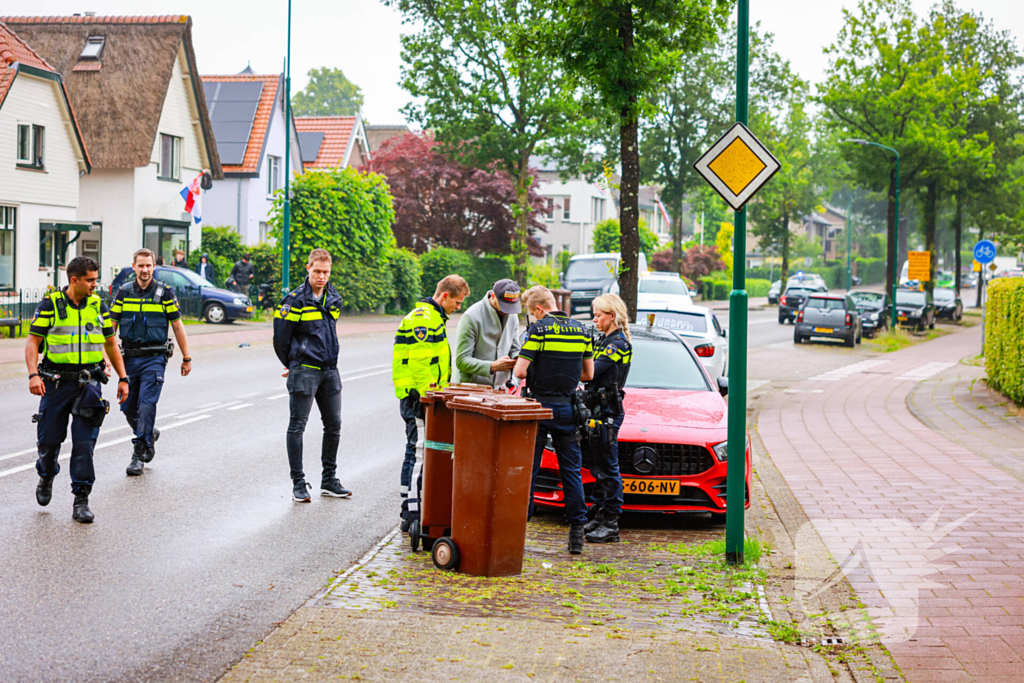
(672, 444)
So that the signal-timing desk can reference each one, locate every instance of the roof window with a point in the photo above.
(93, 47)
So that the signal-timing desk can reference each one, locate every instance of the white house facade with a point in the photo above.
(574, 207)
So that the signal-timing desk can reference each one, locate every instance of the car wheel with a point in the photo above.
(852, 341)
(798, 338)
(860, 337)
(214, 313)
(782, 319)
(931, 325)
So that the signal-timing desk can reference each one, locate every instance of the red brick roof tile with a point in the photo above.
(260, 125)
(337, 132)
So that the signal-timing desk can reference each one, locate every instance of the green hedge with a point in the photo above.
(406, 274)
(1004, 331)
(480, 272)
(719, 290)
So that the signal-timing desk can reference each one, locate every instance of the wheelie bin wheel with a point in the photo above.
(414, 535)
(445, 554)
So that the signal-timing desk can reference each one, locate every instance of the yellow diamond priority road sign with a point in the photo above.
(737, 166)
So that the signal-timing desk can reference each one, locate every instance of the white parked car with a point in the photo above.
(698, 327)
(663, 291)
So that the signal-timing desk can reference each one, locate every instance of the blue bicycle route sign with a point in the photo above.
(985, 251)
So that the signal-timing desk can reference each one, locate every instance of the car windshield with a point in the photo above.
(910, 298)
(677, 322)
(868, 299)
(193, 278)
(944, 294)
(799, 291)
(825, 304)
(662, 285)
(664, 365)
(592, 269)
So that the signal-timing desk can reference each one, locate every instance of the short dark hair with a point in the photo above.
(246, 256)
(80, 266)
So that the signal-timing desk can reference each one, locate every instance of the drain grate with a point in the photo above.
(827, 642)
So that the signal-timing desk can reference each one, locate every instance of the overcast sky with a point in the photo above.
(361, 37)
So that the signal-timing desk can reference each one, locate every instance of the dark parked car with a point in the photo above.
(833, 316)
(793, 298)
(218, 305)
(914, 309)
(947, 304)
(875, 310)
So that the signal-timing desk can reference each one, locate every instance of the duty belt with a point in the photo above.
(82, 376)
(557, 400)
(145, 351)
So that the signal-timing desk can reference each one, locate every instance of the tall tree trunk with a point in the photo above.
(786, 234)
(958, 229)
(891, 235)
(520, 250)
(931, 218)
(677, 236)
(629, 187)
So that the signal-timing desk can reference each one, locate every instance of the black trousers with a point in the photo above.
(306, 385)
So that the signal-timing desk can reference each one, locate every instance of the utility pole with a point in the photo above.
(849, 232)
(737, 425)
(286, 237)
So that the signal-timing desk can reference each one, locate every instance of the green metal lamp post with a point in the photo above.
(737, 424)
(286, 236)
(849, 230)
(896, 227)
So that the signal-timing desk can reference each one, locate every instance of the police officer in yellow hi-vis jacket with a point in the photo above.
(71, 328)
(422, 358)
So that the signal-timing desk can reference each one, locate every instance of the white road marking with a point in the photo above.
(277, 396)
(105, 431)
(372, 367)
(239, 407)
(209, 405)
(105, 444)
(923, 372)
(804, 391)
(845, 371)
(213, 407)
(369, 374)
(249, 395)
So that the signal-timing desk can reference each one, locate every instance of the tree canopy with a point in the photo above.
(328, 93)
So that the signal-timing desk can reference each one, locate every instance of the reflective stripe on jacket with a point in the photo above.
(306, 328)
(77, 338)
(421, 355)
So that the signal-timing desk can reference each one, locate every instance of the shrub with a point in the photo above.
(224, 241)
(364, 285)
(441, 262)
(405, 273)
(1004, 332)
(544, 275)
(662, 261)
(758, 287)
(221, 264)
(484, 272)
(563, 261)
(607, 232)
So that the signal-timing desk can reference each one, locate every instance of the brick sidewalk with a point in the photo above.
(892, 497)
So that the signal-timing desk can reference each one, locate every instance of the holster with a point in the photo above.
(90, 405)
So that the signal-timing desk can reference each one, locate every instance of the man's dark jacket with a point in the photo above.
(305, 328)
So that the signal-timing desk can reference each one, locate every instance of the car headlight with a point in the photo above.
(722, 449)
(238, 301)
(872, 316)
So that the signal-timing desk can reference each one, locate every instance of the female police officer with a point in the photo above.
(612, 357)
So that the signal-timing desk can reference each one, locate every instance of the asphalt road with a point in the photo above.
(189, 565)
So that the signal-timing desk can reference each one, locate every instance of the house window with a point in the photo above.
(565, 208)
(31, 145)
(597, 210)
(93, 47)
(170, 158)
(46, 249)
(273, 174)
(8, 219)
(549, 212)
(264, 231)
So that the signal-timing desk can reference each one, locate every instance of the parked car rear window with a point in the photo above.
(910, 298)
(664, 365)
(592, 269)
(677, 322)
(659, 285)
(943, 294)
(826, 304)
(867, 298)
(800, 291)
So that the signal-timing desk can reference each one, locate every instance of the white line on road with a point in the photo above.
(804, 391)
(277, 396)
(372, 367)
(210, 405)
(369, 374)
(215, 406)
(249, 395)
(923, 372)
(244, 405)
(105, 431)
(105, 444)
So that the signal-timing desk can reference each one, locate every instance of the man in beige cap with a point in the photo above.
(487, 341)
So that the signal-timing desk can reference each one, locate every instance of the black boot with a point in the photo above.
(597, 521)
(151, 451)
(81, 512)
(138, 460)
(44, 490)
(575, 539)
(608, 532)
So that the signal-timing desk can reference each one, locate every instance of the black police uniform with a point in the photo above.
(556, 347)
(144, 317)
(612, 358)
(306, 342)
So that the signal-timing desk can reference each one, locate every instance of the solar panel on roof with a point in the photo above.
(309, 144)
(232, 108)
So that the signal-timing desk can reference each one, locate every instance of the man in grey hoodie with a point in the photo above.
(487, 341)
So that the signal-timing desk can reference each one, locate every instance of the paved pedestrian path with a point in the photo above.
(911, 474)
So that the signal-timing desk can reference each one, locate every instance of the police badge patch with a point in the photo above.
(285, 309)
(420, 333)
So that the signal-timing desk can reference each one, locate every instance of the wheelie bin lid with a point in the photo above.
(501, 406)
(455, 390)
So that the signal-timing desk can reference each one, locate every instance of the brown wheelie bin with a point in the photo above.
(435, 496)
(494, 442)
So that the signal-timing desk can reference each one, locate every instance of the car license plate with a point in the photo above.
(823, 330)
(656, 487)
(249, 310)
(902, 317)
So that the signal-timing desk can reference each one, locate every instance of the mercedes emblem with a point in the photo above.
(645, 459)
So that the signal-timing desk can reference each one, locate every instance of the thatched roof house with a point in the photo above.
(119, 96)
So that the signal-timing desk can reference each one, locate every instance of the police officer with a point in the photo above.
(421, 358)
(71, 328)
(555, 357)
(143, 309)
(306, 343)
(613, 355)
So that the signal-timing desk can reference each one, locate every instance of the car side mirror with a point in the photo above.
(723, 386)
(561, 278)
(725, 333)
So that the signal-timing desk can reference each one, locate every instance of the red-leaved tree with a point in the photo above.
(699, 260)
(662, 261)
(441, 203)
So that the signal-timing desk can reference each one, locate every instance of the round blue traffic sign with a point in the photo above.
(984, 251)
